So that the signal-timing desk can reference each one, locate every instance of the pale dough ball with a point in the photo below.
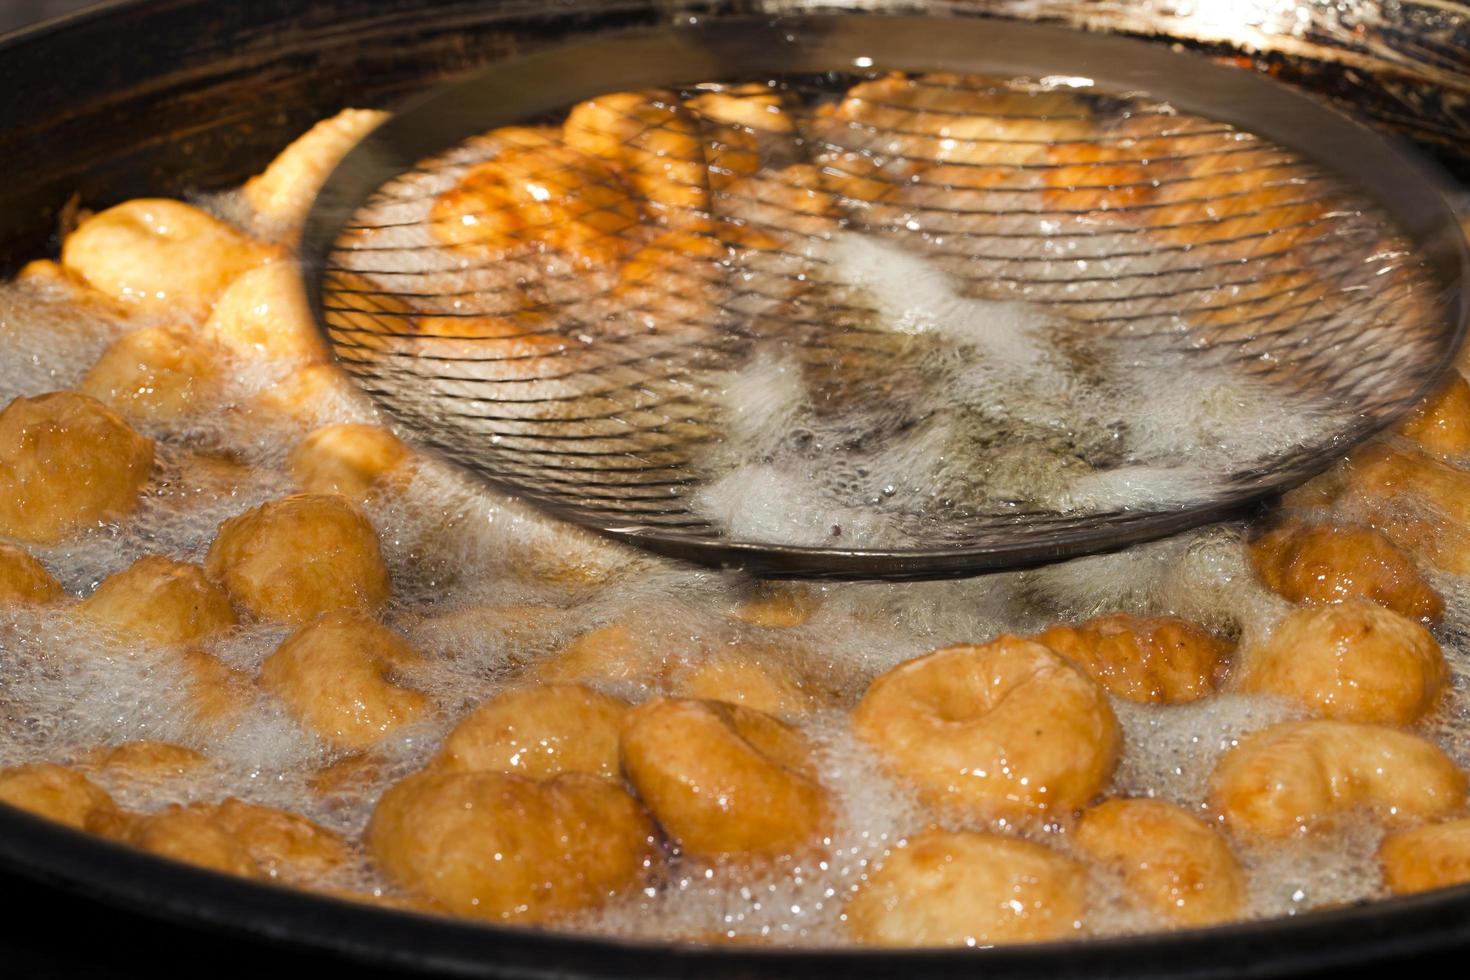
(1355, 661)
(154, 374)
(54, 792)
(1331, 563)
(725, 782)
(264, 314)
(502, 847)
(337, 677)
(352, 459)
(160, 256)
(24, 580)
(1425, 858)
(291, 559)
(1299, 776)
(1172, 861)
(284, 191)
(538, 732)
(1008, 729)
(67, 462)
(968, 889)
(159, 600)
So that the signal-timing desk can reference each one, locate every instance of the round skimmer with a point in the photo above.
(879, 296)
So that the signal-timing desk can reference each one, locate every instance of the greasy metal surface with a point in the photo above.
(521, 356)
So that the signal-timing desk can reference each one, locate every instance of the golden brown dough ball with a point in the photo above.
(1330, 563)
(217, 693)
(185, 834)
(292, 559)
(284, 191)
(264, 314)
(154, 374)
(1177, 865)
(538, 732)
(1162, 659)
(1381, 475)
(1298, 776)
(753, 676)
(159, 256)
(66, 462)
(502, 847)
(653, 143)
(335, 675)
(1354, 661)
(1006, 730)
(608, 654)
(725, 782)
(148, 761)
(282, 844)
(24, 580)
(1425, 858)
(1442, 424)
(352, 459)
(159, 600)
(54, 792)
(309, 395)
(968, 889)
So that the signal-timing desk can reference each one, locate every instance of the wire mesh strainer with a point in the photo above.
(883, 296)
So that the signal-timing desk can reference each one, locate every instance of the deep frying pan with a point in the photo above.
(166, 96)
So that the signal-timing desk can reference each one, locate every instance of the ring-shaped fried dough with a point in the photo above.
(1008, 729)
(1161, 659)
(1177, 865)
(1354, 661)
(1319, 562)
(159, 600)
(352, 458)
(1300, 776)
(335, 675)
(538, 732)
(154, 374)
(725, 782)
(54, 792)
(159, 255)
(24, 580)
(66, 462)
(499, 846)
(968, 889)
(1424, 858)
(291, 559)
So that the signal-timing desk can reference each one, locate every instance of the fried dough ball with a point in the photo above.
(1425, 858)
(154, 374)
(310, 394)
(217, 692)
(1442, 425)
(54, 792)
(538, 732)
(1330, 563)
(186, 834)
(652, 141)
(1381, 475)
(755, 677)
(778, 605)
(725, 781)
(282, 844)
(148, 761)
(159, 600)
(1175, 863)
(292, 559)
(499, 846)
(968, 889)
(159, 255)
(352, 459)
(1355, 661)
(284, 191)
(264, 314)
(1151, 660)
(335, 675)
(539, 193)
(606, 655)
(1298, 775)
(1007, 730)
(24, 580)
(66, 462)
